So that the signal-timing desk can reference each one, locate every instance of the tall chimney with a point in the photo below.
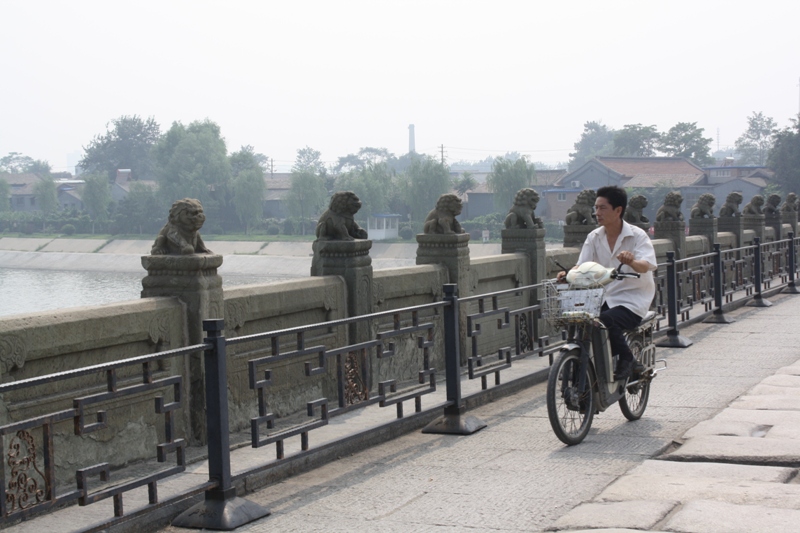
(411, 146)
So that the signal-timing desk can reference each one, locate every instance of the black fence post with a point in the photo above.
(220, 509)
(791, 287)
(758, 300)
(673, 338)
(718, 316)
(454, 421)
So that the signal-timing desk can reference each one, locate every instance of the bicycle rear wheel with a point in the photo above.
(570, 410)
(634, 402)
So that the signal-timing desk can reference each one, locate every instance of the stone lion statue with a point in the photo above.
(773, 204)
(581, 211)
(442, 219)
(790, 204)
(755, 206)
(336, 223)
(633, 213)
(521, 215)
(704, 208)
(731, 206)
(671, 210)
(181, 234)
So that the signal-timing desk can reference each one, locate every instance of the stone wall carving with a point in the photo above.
(633, 213)
(580, 214)
(181, 234)
(521, 215)
(442, 218)
(12, 353)
(337, 222)
(731, 206)
(704, 208)
(671, 210)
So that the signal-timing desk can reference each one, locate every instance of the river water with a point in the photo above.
(31, 291)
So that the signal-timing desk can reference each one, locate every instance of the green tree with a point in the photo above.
(784, 157)
(636, 140)
(192, 162)
(595, 140)
(426, 180)
(248, 187)
(127, 143)
(5, 196)
(464, 183)
(508, 177)
(140, 209)
(374, 186)
(17, 163)
(308, 193)
(754, 144)
(96, 197)
(46, 194)
(685, 139)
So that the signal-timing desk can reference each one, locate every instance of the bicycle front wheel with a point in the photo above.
(634, 402)
(569, 409)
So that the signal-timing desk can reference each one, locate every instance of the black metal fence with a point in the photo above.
(501, 329)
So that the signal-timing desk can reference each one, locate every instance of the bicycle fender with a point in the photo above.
(568, 347)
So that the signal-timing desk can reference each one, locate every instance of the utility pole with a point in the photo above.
(442, 152)
(271, 168)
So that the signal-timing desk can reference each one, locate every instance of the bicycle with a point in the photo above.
(581, 381)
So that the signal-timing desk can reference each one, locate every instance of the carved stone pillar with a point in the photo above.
(773, 220)
(575, 235)
(351, 260)
(674, 230)
(452, 251)
(530, 242)
(755, 223)
(707, 227)
(790, 217)
(732, 225)
(193, 279)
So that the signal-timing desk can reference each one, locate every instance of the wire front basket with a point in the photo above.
(563, 306)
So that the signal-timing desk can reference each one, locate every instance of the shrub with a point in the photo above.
(273, 229)
(68, 229)
(406, 232)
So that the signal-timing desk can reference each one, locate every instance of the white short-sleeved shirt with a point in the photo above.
(634, 293)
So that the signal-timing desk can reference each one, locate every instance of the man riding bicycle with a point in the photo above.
(615, 242)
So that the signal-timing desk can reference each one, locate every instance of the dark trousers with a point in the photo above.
(617, 320)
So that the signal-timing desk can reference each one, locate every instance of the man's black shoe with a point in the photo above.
(624, 369)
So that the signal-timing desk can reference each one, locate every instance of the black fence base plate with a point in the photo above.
(674, 341)
(455, 424)
(759, 302)
(221, 515)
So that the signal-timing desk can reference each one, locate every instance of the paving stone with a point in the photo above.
(738, 450)
(633, 514)
(767, 402)
(713, 516)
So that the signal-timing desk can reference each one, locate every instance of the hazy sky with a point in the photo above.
(480, 78)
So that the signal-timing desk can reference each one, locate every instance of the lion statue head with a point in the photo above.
(521, 214)
(638, 201)
(791, 202)
(586, 197)
(345, 203)
(180, 235)
(734, 198)
(704, 206)
(706, 200)
(526, 198)
(754, 207)
(442, 219)
(337, 222)
(773, 202)
(674, 199)
(449, 203)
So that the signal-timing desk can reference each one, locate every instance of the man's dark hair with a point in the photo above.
(616, 196)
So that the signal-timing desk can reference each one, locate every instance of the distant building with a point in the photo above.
(382, 227)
